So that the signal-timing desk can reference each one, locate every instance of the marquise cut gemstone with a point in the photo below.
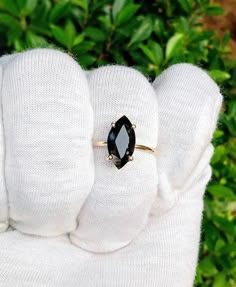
(121, 142)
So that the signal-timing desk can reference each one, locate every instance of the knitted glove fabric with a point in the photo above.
(44, 136)
(119, 204)
(76, 220)
(4, 60)
(3, 194)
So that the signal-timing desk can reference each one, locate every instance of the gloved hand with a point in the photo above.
(68, 216)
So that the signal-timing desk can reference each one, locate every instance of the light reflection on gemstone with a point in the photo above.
(122, 141)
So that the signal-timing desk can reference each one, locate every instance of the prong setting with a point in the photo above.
(133, 126)
(113, 125)
(131, 158)
(110, 157)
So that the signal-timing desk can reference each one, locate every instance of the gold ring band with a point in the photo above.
(137, 146)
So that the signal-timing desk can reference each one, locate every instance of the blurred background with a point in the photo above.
(150, 36)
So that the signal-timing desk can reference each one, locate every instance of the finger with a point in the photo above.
(189, 104)
(48, 124)
(3, 193)
(4, 60)
(117, 208)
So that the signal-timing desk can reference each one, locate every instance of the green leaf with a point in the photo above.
(153, 51)
(67, 36)
(149, 53)
(158, 52)
(9, 21)
(40, 15)
(70, 32)
(35, 41)
(127, 30)
(59, 10)
(226, 39)
(219, 154)
(26, 7)
(117, 6)
(30, 6)
(228, 248)
(221, 192)
(19, 45)
(218, 134)
(86, 60)
(12, 26)
(59, 35)
(219, 76)
(83, 47)
(158, 27)
(220, 243)
(118, 56)
(126, 13)
(186, 5)
(232, 110)
(182, 25)
(143, 32)
(214, 10)
(173, 45)
(211, 236)
(225, 225)
(78, 39)
(105, 21)
(10, 5)
(20, 4)
(95, 34)
(220, 280)
(207, 267)
(82, 3)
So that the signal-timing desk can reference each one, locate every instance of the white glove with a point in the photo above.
(77, 220)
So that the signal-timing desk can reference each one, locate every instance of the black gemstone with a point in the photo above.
(121, 142)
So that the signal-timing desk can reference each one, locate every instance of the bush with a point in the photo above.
(148, 35)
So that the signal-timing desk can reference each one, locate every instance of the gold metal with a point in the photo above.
(109, 157)
(131, 158)
(137, 146)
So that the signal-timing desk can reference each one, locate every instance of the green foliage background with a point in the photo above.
(148, 35)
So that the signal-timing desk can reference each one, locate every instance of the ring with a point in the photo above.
(121, 142)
